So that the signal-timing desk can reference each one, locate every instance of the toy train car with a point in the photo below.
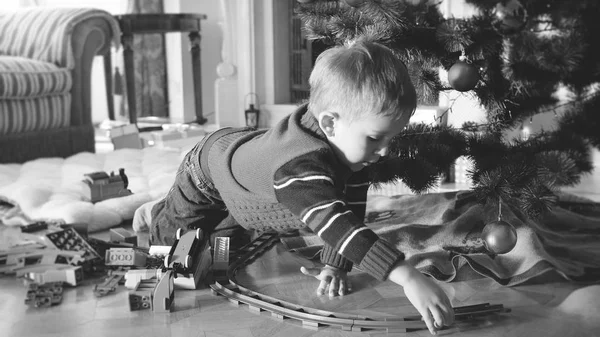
(104, 186)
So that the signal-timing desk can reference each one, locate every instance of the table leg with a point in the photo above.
(127, 41)
(196, 68)
(109, 85)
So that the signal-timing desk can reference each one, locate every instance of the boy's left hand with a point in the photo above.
(333, 280)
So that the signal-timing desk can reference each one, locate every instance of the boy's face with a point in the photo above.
(361, 142)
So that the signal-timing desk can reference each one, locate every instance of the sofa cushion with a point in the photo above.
(34, 114)
(27, 78)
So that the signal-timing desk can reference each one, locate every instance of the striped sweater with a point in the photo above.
(289, 177)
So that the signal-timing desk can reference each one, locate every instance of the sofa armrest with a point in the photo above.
(90, 38)
(45, 33)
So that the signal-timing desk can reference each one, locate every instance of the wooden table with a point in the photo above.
(131, 24)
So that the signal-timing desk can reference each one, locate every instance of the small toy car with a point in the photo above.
(180, 257)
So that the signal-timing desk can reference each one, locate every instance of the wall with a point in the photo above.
(179, 64)
(268, 56)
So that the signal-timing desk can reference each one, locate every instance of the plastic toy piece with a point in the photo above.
(79, 227)
(127, 257)
(103, 186)
(221, 253)
(189, 258)
(159, 250)
(101, 246)
(34, 227)
(69, 239)
(157, 293)
(313, 318)
(133, 278)
(10, 256)
(198, 271)
(140, 300)
(70, 275)
(44, 295)
(164, 293)
(141, 297)
(180, 257)
(126, 136)
(122, 235)
(171, 132)
(43, 260)
(109, 284)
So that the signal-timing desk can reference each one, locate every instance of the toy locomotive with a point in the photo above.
(104, 186)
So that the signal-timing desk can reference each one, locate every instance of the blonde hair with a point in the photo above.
(360, 79)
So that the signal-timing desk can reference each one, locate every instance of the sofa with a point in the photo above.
(46, 59)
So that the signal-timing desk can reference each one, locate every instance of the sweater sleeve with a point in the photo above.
(310, 188)
(330, 256)
(356, 190)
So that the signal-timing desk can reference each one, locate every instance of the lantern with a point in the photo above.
(252, 114)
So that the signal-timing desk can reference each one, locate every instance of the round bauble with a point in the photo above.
(463, 76)
(500, 237)
(509, 17)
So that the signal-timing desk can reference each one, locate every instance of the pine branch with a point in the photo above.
(390, 14)
(582, 120)
(415, 173)
(519, 74)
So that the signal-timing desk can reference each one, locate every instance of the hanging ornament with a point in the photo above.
(463, 76)
(500, 237)
(509, 17)
(355, 3)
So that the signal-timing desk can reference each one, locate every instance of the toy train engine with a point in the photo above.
(104, 186)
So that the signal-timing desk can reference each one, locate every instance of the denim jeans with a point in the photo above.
(192, 202)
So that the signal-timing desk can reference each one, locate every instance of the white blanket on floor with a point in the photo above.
(53, 188)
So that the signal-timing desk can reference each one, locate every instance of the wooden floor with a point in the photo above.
(546, 306)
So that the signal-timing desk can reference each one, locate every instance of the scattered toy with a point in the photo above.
(126, 136)
(44, 295)
(122, 235)
(103, 186)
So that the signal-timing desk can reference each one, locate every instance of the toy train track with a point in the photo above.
(226, 285)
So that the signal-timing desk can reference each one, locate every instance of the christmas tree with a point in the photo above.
(512, 56)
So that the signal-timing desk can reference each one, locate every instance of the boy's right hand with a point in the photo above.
(426, 296)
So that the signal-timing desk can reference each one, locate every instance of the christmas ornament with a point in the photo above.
(500, 237)
(355, 3)
(509, 17)
(463, 76)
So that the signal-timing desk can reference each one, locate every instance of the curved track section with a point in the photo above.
(227, 286)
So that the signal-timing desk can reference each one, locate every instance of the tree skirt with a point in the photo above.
(52, 189)
(441, 233)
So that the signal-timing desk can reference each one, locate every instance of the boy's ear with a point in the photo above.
(327, 122)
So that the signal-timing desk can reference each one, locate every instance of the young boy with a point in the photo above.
(310, 170)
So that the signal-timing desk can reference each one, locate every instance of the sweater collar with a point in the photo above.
(311, 125)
